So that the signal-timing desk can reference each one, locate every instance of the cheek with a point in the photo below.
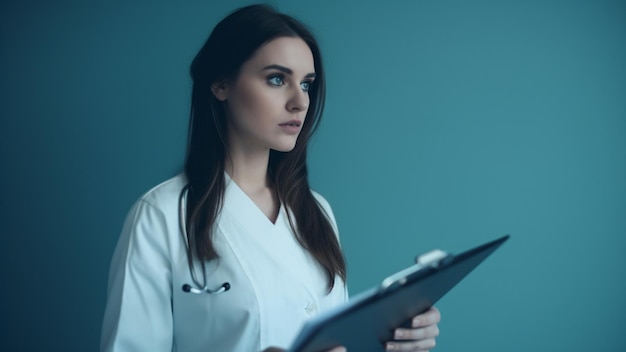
(252, 103)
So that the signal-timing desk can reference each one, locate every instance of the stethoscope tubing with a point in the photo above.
(200, 287)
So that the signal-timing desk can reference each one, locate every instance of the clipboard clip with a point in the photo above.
(432, 258)
(429, 259)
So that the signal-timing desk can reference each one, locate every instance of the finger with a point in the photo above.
(430, 317)
(421, 345)
(416, 334)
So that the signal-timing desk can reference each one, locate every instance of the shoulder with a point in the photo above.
(151, 223)
(166, 194)
(156, 208)
(322, 201)
(326, 208)
(159, 202)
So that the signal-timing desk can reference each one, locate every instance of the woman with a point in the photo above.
(256, 253)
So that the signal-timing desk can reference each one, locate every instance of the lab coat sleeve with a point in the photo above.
(138, 314)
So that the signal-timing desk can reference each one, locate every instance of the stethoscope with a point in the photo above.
(200, 287)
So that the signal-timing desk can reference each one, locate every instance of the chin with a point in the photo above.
(284, 147)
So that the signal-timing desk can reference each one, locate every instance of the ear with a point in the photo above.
(220, 90)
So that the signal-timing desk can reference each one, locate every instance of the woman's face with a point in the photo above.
(268, 101)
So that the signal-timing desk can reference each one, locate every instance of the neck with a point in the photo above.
(249, 169)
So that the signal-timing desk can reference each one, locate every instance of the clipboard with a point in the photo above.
(367, 321)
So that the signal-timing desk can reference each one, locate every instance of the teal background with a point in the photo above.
(448, 123)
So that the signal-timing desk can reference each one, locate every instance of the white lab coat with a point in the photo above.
(275, 284)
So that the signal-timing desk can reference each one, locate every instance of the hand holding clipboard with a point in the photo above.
(367, 321)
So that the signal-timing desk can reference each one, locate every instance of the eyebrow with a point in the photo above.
(286, 70)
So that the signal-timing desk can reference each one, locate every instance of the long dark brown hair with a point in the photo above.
(233, 41)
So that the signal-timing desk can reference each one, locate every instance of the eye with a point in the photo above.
(276, 80)
(306, 85)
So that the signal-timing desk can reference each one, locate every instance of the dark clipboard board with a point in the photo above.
(367, 321)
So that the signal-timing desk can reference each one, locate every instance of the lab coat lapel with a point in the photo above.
(278, 242)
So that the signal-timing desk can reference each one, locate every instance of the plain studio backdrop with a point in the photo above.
(448, 124)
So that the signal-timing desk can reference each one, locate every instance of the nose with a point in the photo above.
(298, 100)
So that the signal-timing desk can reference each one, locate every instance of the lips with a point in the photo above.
(291, 127)
(293, 123)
